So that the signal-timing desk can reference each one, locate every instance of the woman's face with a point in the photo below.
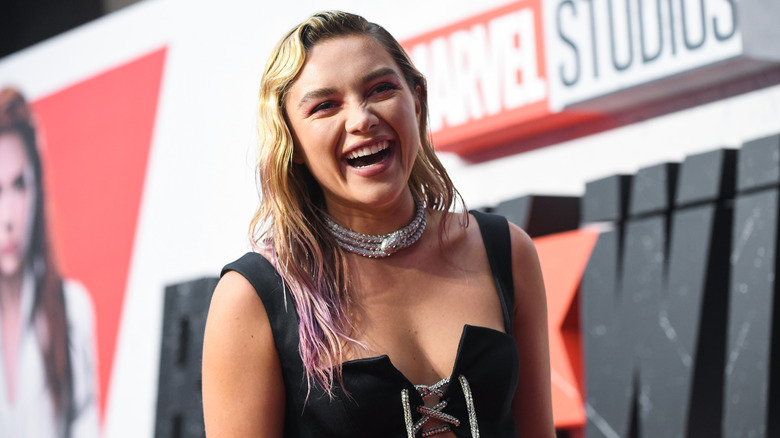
(17, 197)
(355, 124)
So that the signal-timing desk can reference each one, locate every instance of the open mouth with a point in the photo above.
(369, 155)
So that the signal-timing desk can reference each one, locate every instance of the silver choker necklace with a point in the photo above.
(379, 245)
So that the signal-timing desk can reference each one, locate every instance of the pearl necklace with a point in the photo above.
(379, 245)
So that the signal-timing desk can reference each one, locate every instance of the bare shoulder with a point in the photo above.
(236, 312)
(527, 273)
(235, 296)
(522, 246)
(242, 381)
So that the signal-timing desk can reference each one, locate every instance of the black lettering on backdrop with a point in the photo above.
(724, 36)
(593, 40)
(752, 372)
(691, 24)
(640, 10)
(570, 43)
(696, 300)
(688, 44)
(672, 33)
(618, 66)
(653, 305)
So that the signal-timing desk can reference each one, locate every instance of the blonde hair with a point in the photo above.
(289, 223)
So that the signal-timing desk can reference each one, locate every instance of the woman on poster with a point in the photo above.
(47, 362)
(371, 306)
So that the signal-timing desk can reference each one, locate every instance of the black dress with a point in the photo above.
(382, 402)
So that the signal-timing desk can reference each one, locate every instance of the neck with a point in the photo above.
(10, 288)
(380, 245)
(379, 221)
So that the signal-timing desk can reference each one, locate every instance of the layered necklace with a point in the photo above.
(380, 245)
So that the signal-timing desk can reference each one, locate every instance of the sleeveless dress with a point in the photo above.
(474, 401)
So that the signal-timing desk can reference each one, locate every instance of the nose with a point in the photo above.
(361, 119)
(6, 222)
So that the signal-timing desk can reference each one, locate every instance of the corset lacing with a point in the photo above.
(436, 411)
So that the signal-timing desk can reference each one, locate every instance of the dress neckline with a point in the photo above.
(506, 312)
(385, 361)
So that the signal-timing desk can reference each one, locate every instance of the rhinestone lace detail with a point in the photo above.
(437, 389)
(469, 406)
(380, 245)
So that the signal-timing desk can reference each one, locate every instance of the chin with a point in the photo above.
(9, 268)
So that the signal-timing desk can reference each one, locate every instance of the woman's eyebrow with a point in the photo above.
(315, 94)
(387, 71)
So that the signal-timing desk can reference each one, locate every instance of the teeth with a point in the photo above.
(368, 150)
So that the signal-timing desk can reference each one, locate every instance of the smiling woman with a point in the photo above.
(370, 307)
(356, 129)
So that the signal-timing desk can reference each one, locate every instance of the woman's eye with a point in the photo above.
(19, 183)
(384, 87)
(324, 106)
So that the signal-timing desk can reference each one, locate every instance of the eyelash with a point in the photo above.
(321, 106)
(385, 86)
(380, 88)
(20, 184)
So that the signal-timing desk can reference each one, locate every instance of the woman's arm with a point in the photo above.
(532, 403)
(243, 391)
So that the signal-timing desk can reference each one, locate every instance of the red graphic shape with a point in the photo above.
(95, 138)
(563, 257)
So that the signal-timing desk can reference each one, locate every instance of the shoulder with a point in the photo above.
(508, 238)
(243, 391)
(76, 295)
(258, 269)
(235, 301)
(78, 305)
(249, 262)
(523, 249)
(530, 296)
(237, 305)
(237, 320)
(236, 298)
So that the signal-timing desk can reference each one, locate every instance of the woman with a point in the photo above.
(370, 308)
(47, 374)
